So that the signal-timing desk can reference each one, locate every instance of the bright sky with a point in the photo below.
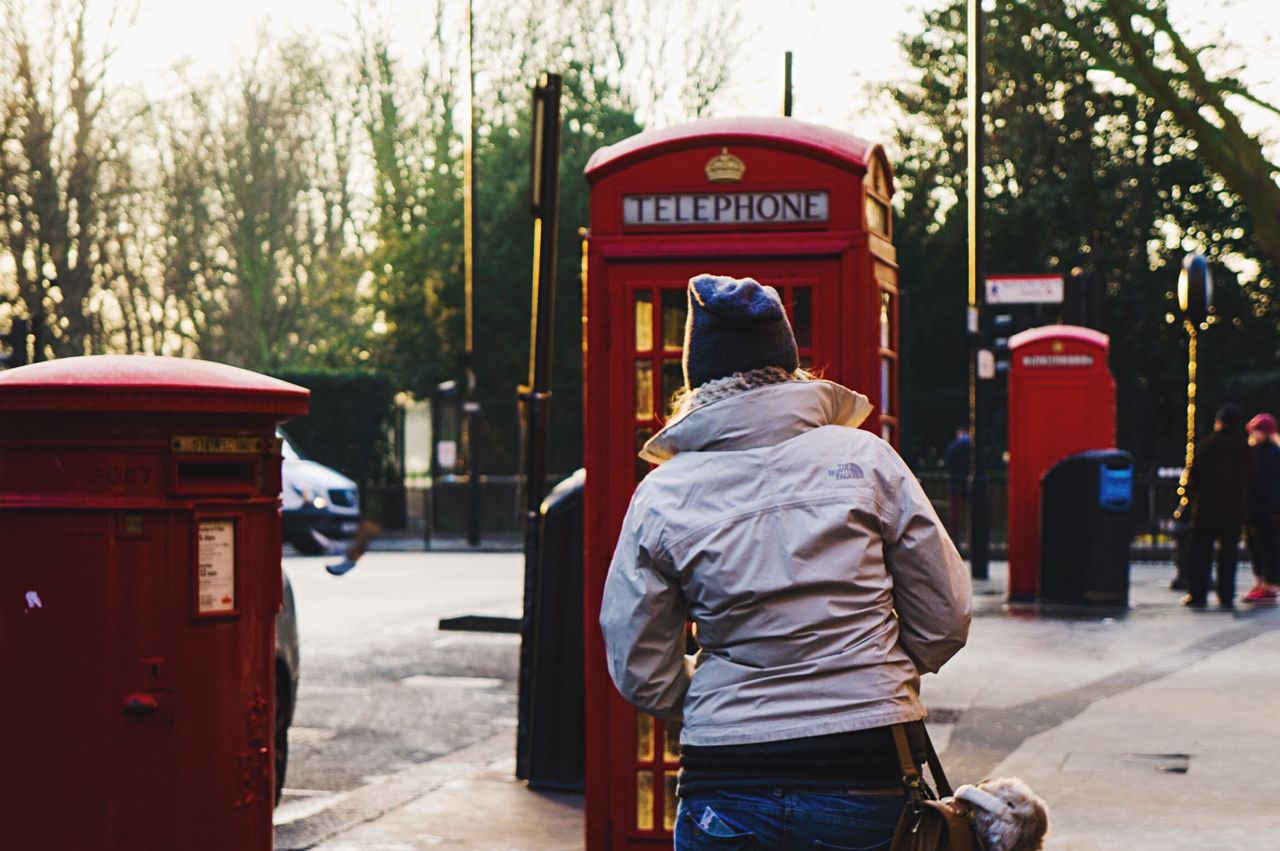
(840, 46)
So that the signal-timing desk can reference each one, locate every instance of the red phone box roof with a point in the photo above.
(834, 146)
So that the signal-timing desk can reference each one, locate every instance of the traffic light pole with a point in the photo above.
(980, 509)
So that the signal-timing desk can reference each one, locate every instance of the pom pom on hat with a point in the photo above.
(735, 325)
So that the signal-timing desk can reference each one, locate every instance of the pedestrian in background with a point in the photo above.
(819, 579)
(1219, 479)
(956, 457)
(1263, 510)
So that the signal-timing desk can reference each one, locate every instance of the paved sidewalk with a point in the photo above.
(1152, 728)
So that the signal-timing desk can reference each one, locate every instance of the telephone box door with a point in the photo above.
(651, 303)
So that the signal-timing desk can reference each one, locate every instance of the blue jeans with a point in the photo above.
(787, 820)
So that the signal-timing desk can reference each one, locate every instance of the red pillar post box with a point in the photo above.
(140, 531)
(1062, 400)
(803, 208)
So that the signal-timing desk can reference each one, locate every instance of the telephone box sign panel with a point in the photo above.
(216, 567)
(726, 208)
(1076, 361)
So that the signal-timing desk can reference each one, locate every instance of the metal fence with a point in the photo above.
(1154, 499)
(440, 511)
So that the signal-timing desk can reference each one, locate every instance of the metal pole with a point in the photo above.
(470, 407)
(536, 396)
(980, 509)
(786, 85)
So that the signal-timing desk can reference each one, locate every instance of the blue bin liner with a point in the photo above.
(1115, 487)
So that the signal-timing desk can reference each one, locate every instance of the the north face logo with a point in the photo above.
(845, 471)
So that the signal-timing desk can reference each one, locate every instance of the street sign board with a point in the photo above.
(986, 364)
(1024, 289)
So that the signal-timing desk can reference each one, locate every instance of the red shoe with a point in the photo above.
(1261, 595)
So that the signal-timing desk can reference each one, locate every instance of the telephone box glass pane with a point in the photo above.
(669, 802)
(644, 800)
(675, 304)
(886, 327)
(644, 321)
(672, 380)
(877, 215)
(886, 386)
(644, 389)
(644, 737)
(802, 316)
(671, 741)
(642, 466)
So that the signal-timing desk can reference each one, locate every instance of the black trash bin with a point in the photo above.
(1085, 527)
(550, 739)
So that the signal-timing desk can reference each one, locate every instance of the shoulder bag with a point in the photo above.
(927, 823)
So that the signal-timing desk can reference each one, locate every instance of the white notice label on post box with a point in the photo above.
(216, 566)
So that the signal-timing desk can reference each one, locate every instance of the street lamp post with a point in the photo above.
(1195, 297)
(980, 509)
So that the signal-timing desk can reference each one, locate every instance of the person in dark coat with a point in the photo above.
(1219, 479)
(956, 459)
(1262, 516)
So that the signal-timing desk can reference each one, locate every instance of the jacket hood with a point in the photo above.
(763, 416)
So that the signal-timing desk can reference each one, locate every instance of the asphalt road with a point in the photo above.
(383, 691)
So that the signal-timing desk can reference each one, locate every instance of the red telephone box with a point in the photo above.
(803, 208)
(1062, 400)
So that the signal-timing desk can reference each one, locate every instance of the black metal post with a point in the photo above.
(470, 406)
(980, 508)
(786, 85)
(544, 189)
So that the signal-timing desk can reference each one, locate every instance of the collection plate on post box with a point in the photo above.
(216, 567)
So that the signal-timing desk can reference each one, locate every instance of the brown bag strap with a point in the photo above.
(910, 773)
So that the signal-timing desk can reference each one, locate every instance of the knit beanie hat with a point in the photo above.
(734, 325)
(1264, 423)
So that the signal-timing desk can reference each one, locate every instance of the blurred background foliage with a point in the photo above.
(302, 214)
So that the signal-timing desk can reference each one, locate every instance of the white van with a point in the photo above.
(320, 504)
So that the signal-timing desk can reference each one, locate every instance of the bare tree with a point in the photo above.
(59, 142)
(260, 253)
(666, 60)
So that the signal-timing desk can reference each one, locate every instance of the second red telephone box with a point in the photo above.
(1062, 400)
(802, 208)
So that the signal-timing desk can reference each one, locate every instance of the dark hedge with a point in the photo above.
(350, 425)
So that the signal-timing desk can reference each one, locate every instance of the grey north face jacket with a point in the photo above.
(818, 576)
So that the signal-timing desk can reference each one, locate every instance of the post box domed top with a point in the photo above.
(787, 133)
(123, 383)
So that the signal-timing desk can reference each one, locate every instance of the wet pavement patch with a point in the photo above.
(1086, 762)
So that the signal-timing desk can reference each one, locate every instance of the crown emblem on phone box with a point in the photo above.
(724, 167)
